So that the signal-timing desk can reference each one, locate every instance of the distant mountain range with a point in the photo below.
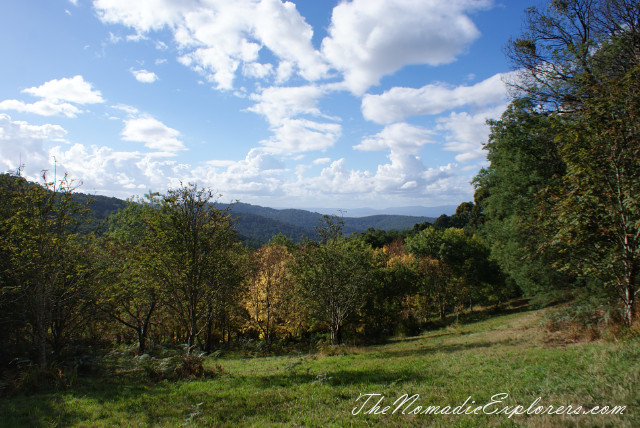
(256, 225)
(260, 224)
(415, 211)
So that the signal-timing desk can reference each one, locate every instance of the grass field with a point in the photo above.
(508, 354)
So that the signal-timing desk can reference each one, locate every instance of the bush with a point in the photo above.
(585, 318)
(177, 367)
(27, 378)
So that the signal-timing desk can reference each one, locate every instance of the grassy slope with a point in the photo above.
(507, 353)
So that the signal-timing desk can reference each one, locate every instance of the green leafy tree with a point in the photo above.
(129, 292)
(580, 58)
(597, 213)
(524, 160)
(193, 240)
(48, 273)
(333, 275)
(456, 268)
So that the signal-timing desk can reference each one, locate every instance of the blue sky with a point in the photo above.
(310, 103)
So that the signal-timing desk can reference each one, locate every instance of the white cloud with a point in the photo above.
(114, 39)
(399, 138)
(281, 106)
(369, 39)
(284, 31)
(153, 133)
(74, 90)
(218, 37)
(280, 103)
(321, 161)
(136, 37)
(23, 143)
(257, 70)
(260, 175)
(398, 103)
(466, 133)
(302, 135)
(403, 179)
(142, 15)
(130, 110)
(42, 108)
(56, 98)
(144, 76)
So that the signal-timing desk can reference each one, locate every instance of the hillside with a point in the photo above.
(256, 225)
(295, 223)
(505, 354)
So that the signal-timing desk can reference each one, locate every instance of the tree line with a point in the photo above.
(169, 268)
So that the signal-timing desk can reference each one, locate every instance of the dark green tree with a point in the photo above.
(45, 271)
(192, 241)
(596, 217)
(125, 259)
(334, 275)
(524, 160)
(580, 59)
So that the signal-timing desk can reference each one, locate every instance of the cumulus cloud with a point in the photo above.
(142, 15)
(282, 106)
(153, 133)
(399, 138)
(321, 161)
(403, 178)
(285, 32)
(21, 142)
(42, 108)
(466, 133)
(279, 103)
(219, 37)
(58, 97)
(302, 135)
(369, 39)
(74, 90)
(261, 174)
(144, 76)
(258, 174)
(398, 103)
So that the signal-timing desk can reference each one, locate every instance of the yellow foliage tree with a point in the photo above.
(270, 301)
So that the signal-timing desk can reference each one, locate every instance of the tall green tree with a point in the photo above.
(524, 160)
(48, 275)
(456, 268)
(334, 275)
(580, 58)
(597, 214)
(193, 240)
(125, 257)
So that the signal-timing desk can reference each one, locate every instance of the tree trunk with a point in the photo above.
(336, 334)
(142, 341)
(41, 327)
(629, 305)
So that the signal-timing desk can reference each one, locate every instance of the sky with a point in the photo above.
(295, 104)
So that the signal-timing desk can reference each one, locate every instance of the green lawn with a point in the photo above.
(505, 354)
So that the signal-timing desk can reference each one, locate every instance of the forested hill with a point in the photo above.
(303, 222)
(256, 225)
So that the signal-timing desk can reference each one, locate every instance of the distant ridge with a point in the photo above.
(256, 225)
(296, 223)
(415, 211)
